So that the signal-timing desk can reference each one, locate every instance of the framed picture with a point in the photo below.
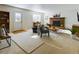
(78, 16)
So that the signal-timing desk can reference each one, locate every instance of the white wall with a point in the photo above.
(69, 12)
(27, 18)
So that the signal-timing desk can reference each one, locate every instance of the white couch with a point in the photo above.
(64, 31)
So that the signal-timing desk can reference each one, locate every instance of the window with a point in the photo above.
(46, 19)
(18, 21)
(17, 17)
(36, 18)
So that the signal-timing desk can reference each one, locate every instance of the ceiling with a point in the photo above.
(46, 8)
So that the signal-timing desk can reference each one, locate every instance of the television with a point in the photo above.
(56, 23)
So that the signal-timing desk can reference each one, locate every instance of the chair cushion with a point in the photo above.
(4, 37)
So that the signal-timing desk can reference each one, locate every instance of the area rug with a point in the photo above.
(47, 49)
(3, 44)
(27, 41)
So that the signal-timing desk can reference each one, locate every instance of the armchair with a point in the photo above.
(44, 30)
(4, 36)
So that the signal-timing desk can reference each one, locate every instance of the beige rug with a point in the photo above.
(27, 41)
(46, 49)
(3, 44)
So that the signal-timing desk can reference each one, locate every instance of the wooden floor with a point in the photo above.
(18, 31)
(55, 44)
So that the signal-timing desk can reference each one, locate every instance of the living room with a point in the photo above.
(63, 37)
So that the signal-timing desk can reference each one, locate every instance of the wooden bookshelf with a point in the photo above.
(4, 19)
(61, 19)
